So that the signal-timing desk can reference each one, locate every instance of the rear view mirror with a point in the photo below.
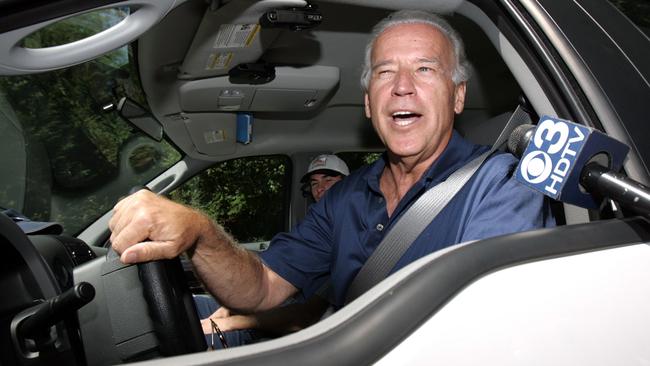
(140, 118)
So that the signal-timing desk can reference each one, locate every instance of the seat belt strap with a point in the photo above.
(421, 213)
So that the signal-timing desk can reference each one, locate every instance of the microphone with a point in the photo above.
(575, 164)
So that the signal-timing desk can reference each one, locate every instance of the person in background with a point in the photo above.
(323, 172)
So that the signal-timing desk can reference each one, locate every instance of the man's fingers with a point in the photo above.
(122, 216)
(146, 227)
(125, 210)
(148, 251)
(126, 234)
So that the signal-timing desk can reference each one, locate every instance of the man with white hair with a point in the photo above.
(414, 80)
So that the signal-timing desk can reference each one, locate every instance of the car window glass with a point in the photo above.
(357, 159)
(248, 196)
(76, 28)
(64, 157)
(638, 11)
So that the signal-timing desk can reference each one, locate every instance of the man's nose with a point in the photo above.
(403, 83)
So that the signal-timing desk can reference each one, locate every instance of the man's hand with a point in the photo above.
(227, 321)
(147, 227)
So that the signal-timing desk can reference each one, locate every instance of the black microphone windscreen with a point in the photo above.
(519, 139)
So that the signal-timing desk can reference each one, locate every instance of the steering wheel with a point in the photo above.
(142, 310)
(170, 305)
(26, 281)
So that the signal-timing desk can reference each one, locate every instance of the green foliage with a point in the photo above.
(356, 159)
(87, 160)
(75, 28)
(60, 110)
(247, 195)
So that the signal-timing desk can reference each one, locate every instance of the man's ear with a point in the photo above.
(366, 102)
(459, 97)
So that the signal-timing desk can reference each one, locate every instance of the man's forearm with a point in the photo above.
(235, 276)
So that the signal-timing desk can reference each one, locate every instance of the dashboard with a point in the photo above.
(69, 303)
(38, 310)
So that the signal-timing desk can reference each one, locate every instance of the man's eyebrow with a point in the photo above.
(382, 63)
(427, 60)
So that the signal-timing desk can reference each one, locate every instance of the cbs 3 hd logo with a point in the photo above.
(552, 153)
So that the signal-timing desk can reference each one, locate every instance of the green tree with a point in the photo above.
(247, 195)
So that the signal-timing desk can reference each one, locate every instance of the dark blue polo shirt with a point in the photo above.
(341, 231)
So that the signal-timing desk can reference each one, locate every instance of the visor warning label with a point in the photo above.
(236, 35)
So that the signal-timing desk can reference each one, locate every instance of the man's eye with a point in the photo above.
(384, 74)
(424, 69)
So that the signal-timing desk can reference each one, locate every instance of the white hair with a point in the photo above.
(461, 72)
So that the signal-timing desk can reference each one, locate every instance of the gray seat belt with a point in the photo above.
(417, 217)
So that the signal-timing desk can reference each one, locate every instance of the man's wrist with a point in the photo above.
(205, 235)
(210, 236)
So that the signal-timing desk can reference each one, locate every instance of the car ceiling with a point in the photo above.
(171, 63)
(320, 65)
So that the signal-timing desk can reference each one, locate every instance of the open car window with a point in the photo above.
(65, 157)
(248, 196)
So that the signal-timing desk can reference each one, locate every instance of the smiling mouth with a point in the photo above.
(405, 118)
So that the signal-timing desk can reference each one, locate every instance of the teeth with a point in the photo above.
(404, 122)
(404, 118)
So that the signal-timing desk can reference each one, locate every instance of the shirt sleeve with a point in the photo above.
(501, 205)
(303, 256)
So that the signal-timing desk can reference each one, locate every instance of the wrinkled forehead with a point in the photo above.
(406, 35)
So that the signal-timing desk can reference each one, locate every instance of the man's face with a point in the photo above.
(319, 183)
(411, 97)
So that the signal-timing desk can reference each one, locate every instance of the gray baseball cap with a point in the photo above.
(326, 162)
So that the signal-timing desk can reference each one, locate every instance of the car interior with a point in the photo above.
(222, 80)
(313, 96)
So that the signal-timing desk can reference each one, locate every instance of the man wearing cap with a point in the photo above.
(414, 81)
(323, 172)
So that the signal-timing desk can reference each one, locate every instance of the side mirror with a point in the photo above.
(140, 118)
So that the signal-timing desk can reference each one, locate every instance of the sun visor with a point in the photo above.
(231, 36)
(212, 134)
(293, 89)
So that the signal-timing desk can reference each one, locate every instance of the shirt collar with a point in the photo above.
(457, 153)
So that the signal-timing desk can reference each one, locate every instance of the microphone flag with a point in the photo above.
(556, 154)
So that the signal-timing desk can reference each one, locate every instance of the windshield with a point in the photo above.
(65, 158)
